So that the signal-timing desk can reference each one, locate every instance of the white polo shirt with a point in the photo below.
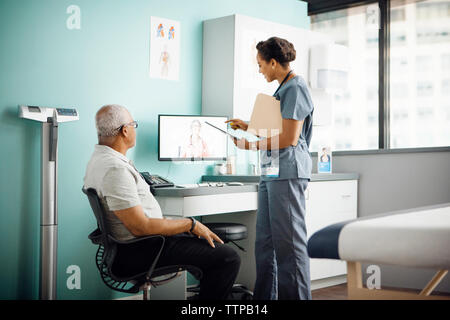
(119, 186)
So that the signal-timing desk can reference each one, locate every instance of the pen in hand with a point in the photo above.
(237, 124)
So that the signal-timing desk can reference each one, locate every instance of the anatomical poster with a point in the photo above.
(164, 48)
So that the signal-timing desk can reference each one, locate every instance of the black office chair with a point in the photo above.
(107, 252)
(230, 232)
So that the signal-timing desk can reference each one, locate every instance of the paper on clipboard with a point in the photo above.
(266, 120)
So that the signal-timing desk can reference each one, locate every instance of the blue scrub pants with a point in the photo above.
(282, 262)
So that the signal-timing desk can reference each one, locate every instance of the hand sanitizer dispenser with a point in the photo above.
(50, 119)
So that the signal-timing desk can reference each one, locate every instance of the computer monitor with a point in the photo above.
(190, 138)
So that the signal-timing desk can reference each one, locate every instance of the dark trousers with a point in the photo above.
(219, 265)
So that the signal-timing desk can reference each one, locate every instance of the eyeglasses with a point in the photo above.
(133, 124)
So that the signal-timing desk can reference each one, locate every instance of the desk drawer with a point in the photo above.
(330, 202)
(335, 196)
(209, 204)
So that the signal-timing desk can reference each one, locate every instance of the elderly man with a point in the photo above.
(134, 212)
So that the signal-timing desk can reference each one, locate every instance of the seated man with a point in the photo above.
(134, 212)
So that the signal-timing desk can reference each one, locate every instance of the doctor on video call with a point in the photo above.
(195, 146)
(282, 262)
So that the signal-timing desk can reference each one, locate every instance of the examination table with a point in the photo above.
(411, 238)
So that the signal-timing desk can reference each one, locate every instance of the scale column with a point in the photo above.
(49, 225)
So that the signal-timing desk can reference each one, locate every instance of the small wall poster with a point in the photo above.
(324, 160)
(164, 48)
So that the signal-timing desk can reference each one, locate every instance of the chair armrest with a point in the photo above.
(136, 239)
(155, 261)
(96, 236)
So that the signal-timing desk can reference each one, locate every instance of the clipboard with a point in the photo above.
(266, 120)
(225, 132)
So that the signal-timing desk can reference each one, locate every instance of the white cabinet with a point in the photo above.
(231, 78)
(329, 202)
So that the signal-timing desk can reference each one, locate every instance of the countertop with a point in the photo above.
(255, 179)
(203, 191)
(250, 184)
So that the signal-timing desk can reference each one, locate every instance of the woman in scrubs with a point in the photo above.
(282, 262)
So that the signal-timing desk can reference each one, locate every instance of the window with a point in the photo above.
(355, 116)
(431, 10)
(399, 91)
(445, 87)
(424, 89)
(424, 64)
(399, 65)
(418, 115)
(416, 97)
(397, 15)
(445, 63)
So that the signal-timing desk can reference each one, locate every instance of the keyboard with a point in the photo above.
(203, 184)
(209, 184)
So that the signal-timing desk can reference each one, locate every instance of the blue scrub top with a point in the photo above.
(294, 162)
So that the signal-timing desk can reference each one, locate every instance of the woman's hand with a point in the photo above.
(203, 231)
(237, 124)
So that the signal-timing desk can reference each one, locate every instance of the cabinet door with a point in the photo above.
(326, 268)
(329, 202)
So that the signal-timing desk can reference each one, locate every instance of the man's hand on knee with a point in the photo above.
(203, 231)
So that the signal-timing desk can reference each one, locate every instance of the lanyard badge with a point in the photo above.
(271, 172)
(270, 164)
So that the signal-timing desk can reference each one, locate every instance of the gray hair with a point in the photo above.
(109, 118)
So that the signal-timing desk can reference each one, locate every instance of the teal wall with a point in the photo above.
(44, 63)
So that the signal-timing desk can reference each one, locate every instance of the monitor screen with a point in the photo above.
(189, 138)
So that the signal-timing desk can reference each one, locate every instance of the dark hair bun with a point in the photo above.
(276, 48)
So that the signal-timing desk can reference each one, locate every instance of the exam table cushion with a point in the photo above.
(416, 238)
